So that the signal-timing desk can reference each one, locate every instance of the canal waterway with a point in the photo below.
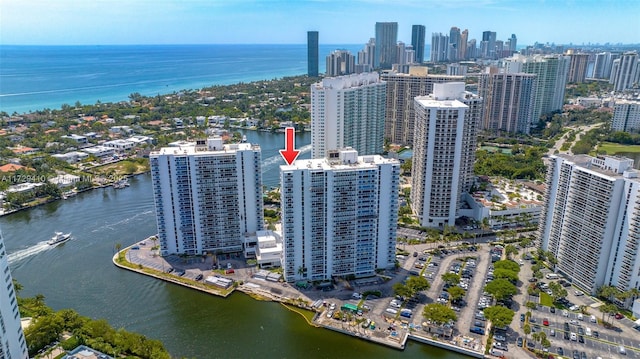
(79, 274)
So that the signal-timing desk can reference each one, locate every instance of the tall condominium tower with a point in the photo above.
(551, 71)
(455, 40)
(12, 342)
(386, 39)
(339, 215)
(348, 111)
(626, 71)
(439, 47)
(590, 221)
(418, 41)
(207, 195)
(578, 67)
(513, 44)
(366, 57)
(444, 147)
(626, 115)
(340, 62)
(401, 90)
(488, 45)
(603, 64)
(462, 51)
(472, 49)
(508, 101)
(312, 53)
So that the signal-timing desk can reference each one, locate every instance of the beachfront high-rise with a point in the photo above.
(386, 39)
(590, 220)
(339, 215)
(444, 145)
(340, 62)
(488, 45)
(508, 100)
(439, 47)
(401, 90)
(418, 41)
(348, 111)
(12, 341)
(208, 196)
(312, 53)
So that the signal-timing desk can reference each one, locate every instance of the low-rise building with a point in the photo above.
(505, 204)
(121, 130)
(84, 352)
(71, 157)
(269, 249)
(120, 145)
(76, 138)
(99, 151)
(64, 180)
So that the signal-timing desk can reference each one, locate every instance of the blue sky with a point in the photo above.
(58, 22)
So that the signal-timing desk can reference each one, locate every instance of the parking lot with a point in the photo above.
(386, 318)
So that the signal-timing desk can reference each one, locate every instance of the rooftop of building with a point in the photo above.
(84, 352)
(346, 158)
(210, 146)
(502, 194)
(611, 166)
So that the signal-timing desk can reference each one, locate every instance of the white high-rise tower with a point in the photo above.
(339, 215)
(12, 341)
(446, 128)
(208, 196)
(348, 111)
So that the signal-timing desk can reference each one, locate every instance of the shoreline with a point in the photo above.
(261, 294)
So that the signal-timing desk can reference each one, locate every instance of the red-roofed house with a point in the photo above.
(10, 167)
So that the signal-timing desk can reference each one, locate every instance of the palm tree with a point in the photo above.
(527, 330)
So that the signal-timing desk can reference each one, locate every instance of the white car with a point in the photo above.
(579, 293)
(565, 313)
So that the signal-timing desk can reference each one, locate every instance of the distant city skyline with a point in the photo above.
(105, 22)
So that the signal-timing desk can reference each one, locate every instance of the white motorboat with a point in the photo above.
(58, 237)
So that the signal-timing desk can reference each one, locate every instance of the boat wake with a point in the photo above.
(28, 252)
(115, 225)
(277, 159)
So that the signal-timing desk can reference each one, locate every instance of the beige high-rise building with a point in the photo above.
(508, 100)
(401, 90)
(444, 150)
(578, 67)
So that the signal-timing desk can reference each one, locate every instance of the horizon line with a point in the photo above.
(274, 44)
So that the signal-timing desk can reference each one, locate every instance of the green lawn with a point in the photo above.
(545, 299)
(613, 148)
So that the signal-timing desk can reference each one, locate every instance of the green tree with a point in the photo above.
(531, 305)
(417, 284)
(402, 290)
(527, 330)
(501, 273)
(438, 313)
(451, 278)
(498, 315)
(456, 293)
(501, 289)
(508, 265)
(510, 250)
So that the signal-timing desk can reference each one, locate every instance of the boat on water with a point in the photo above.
(59, 237)
(121, 184)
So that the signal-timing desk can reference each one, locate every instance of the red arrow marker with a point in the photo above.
(289, 153)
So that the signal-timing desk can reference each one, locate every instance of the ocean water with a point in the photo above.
(37, 77)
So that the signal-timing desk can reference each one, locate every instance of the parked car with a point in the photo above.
(519, 342)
